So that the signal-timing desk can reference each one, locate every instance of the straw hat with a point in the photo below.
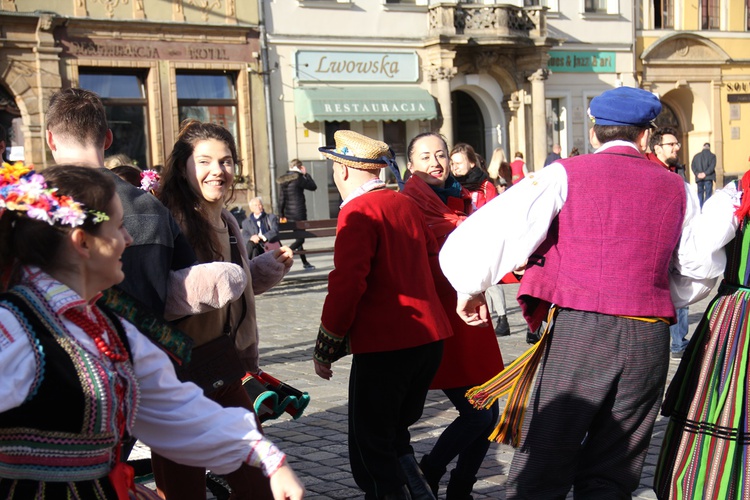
(357, 151)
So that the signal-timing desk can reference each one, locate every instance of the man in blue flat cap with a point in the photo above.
(598, 237)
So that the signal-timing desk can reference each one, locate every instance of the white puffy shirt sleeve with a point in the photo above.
(177, 421)
(174, 418)
(700, 257)
(501, 236)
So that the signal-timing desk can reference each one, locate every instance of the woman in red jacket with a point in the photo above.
(471, 356)
(466, 168)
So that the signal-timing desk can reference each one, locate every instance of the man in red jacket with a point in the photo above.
(383, 308)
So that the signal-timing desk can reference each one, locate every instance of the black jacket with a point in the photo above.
(292, 194)
(705, 162)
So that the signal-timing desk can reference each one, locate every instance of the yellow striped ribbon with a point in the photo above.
(516, 380)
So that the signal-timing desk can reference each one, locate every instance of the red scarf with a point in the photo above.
(441, 219)
(744, 186)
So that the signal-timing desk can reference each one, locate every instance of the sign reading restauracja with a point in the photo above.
(317, 66)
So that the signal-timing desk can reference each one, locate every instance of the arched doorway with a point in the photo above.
(10, 120)
(468, 123)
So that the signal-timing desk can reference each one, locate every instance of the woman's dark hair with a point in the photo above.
(179, 197)
(606, 133)
(410, 148)
(27, 241)
(128, 173)
(467, 150)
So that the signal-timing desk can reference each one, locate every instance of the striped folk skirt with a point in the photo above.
(704, 454)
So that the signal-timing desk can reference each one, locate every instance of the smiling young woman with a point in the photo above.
(196, 184)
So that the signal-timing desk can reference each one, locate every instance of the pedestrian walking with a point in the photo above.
(292, 204)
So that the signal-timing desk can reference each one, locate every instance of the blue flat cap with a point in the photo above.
(625, 106)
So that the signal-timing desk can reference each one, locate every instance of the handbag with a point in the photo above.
(213, 365)
(216, 363)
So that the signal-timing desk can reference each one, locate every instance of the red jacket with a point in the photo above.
(471, 356)
(381, 293)
(485, 193)
(516, 170)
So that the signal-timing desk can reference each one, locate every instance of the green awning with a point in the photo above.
(313, 104)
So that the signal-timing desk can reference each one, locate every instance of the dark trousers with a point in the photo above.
(465, 437)
(590, 419)
(387, 392)
(297, 245)
(705, 188)
(182, 482)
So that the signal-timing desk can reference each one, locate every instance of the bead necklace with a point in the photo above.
(94, 330)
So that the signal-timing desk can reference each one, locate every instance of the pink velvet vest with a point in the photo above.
(609, 248)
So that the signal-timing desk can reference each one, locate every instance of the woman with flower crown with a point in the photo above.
(75, 379)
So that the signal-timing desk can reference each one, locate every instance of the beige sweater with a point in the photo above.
(262, 273)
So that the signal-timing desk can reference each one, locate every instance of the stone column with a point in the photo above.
(718, 138)
(539, 120)
(511, 107)
(442, 77)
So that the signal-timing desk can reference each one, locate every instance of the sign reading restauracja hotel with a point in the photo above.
(381, 67)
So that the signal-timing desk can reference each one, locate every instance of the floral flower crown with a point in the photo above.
(24, 190)
(150, 180)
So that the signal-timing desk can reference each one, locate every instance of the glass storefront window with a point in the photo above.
(208, 97)
(124, 99)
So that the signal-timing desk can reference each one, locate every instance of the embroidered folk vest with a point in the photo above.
(67, 428)
(609, 248)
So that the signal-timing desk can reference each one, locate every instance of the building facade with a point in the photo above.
(154, 63)
(393, 69)
(694, 55)
(597, 53)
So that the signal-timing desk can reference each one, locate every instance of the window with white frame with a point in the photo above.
(599, 7)
(552, 5)
(595, 6)
(709, 12)
(664, 14)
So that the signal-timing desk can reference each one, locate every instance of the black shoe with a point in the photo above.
(308, 267)
(502, 328)
(400, 494)
(415, 480)
(535, 336)
(432, 474)
(460, 488)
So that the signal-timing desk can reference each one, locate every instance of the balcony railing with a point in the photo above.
(487, 21)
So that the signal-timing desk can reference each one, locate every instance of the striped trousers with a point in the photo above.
(589, 422)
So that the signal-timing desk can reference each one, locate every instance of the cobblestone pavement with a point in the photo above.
(288, 318)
